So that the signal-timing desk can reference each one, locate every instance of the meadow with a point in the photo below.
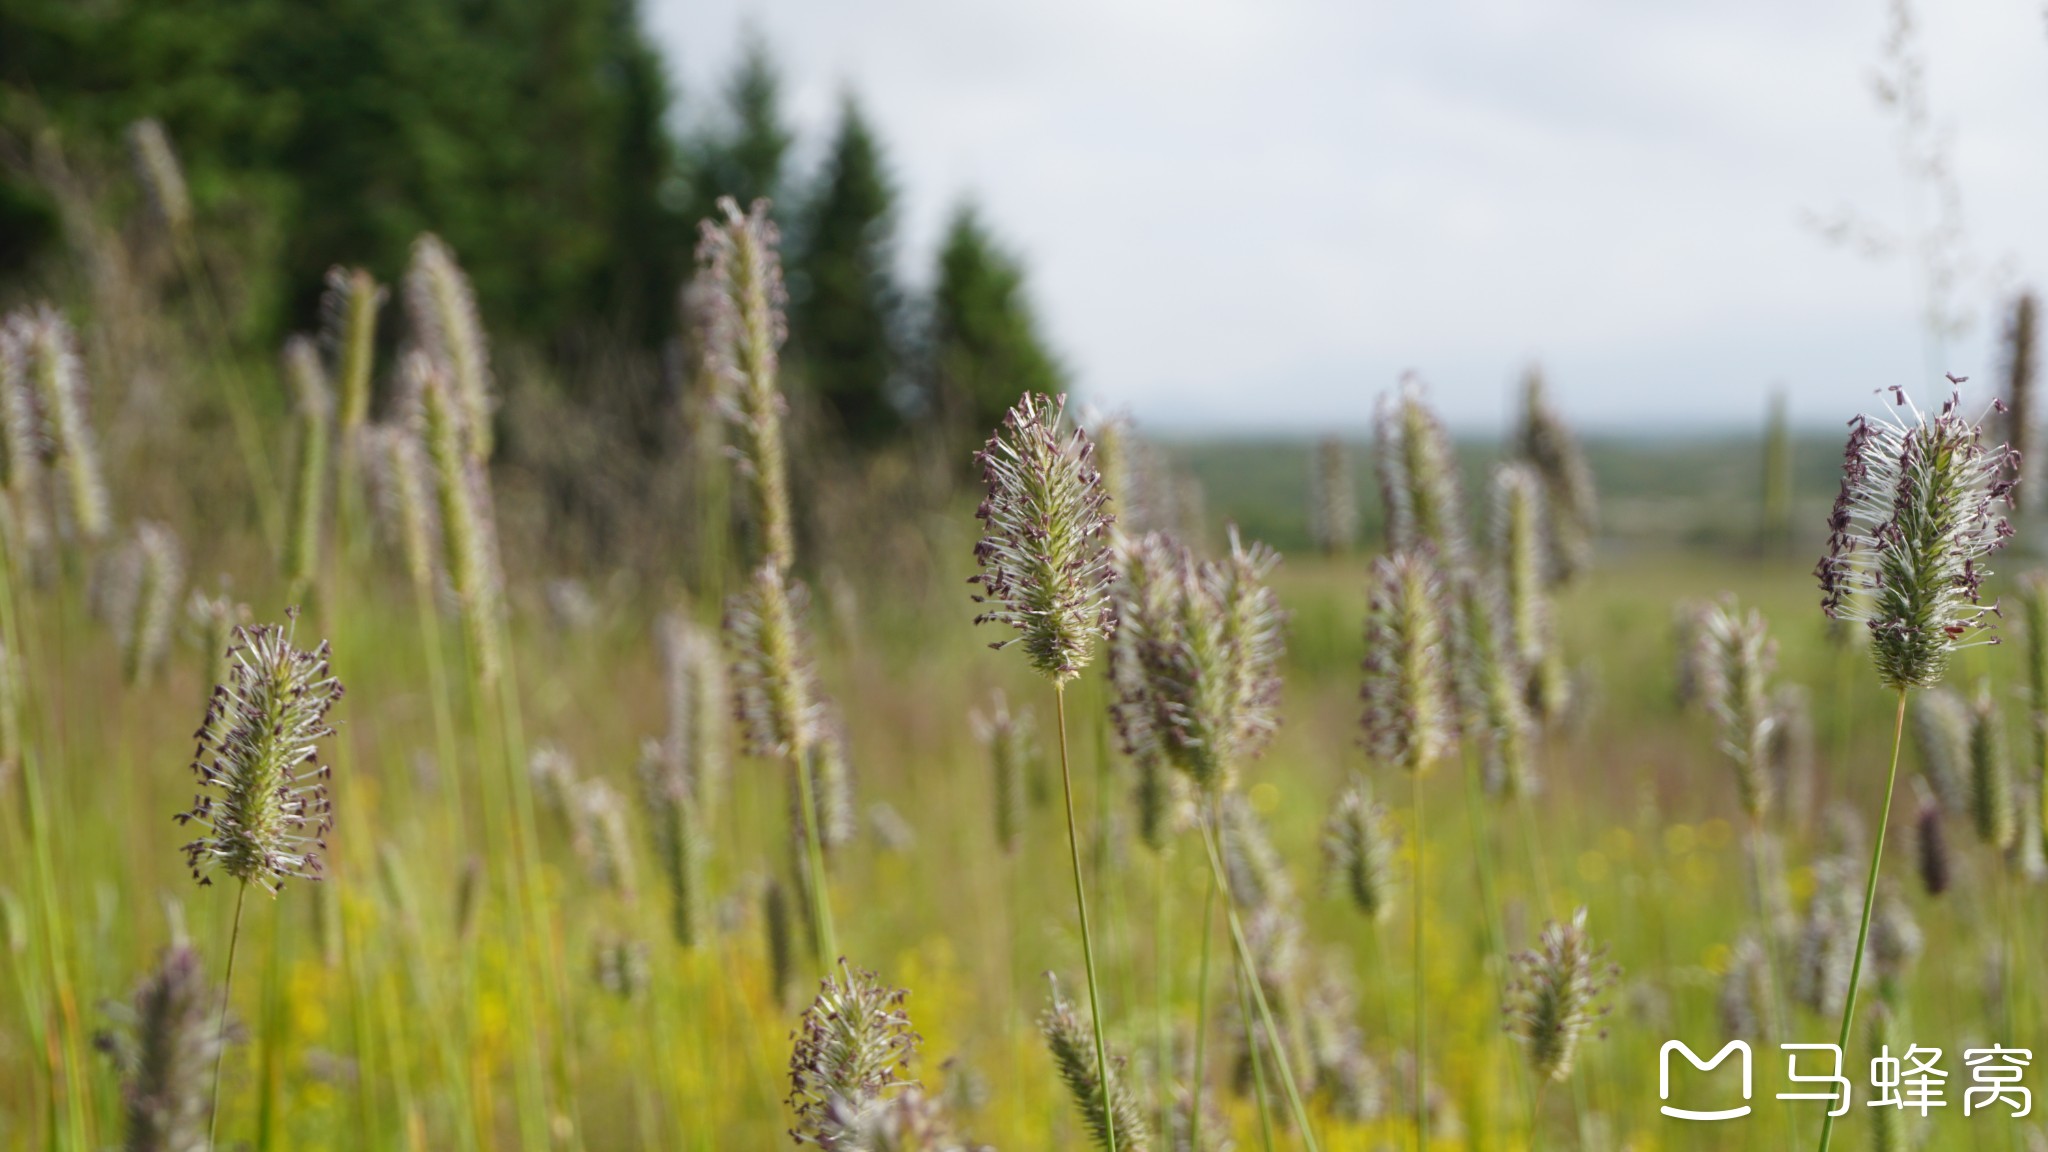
(562, 906)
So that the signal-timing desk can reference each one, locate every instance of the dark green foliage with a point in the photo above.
(844, 301)
(744, 156)
(985, 348)
(530, 136)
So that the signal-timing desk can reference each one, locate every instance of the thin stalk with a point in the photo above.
(1162, 978)
(1201, 1072)
(1246, 965)
(1059, 696)
(1251, 1041)
(1827, 1128)
(1421, 1016)
(227, 985)
(814, 857)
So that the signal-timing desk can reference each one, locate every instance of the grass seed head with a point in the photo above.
(1746, 996)
(1044, 554)
(1408, 689)
(1333, 498)
(1068, 1037)
(1419, 477)
(151, 585)
(1940, 723)
(50, 347)
(1993, 806)
(165, 1050)
(1930, 848)
(1919, 511)
(1743, 658)
(1008, 739)
(1359, 844)
(263, 807)
(1555, 996)
(447, 328)
(774, 688)
(1895, 939)
(852, 1054)
(348, 328)
(1571, 504)
(741, 303)
(161, 176)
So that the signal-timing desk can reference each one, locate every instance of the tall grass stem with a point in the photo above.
(1059, 697)
(227, 985)
(1827, 1128)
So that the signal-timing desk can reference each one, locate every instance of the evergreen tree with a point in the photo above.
(985, 350)
(744, 157)
(845, 303)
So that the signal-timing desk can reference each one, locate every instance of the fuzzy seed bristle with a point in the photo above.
(1555, 996)
(852, 1054)
(1916, 518)
(1044, 556)
(1407, 692)
(742, 303)
(1067, 1036)
(264, 809)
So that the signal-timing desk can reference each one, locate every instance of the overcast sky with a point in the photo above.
(1256, 214)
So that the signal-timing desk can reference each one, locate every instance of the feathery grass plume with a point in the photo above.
(1991, 788)
(314, 406)
(1251, 865)
(1916, 518)
(740, 275)
(161, 176)
(264, 810)
(680, 845)
(2028, 856)
(778, 937)
(1790, 749)
(1520, 550)
(602, 840)
(1826, 951)
(1744, 658)
(1895, 941)
(774, 685)
(1940, 722)
(1570, 503)
(348, 311)
(555, 782)
(1067, 1038)
(620, 966)
(167, 1042)
(1695, 667)
(832, 777)
(1418, 477)
(1407, 693)
(1888, 1131)
(1930, 843)
(51, 349)
(402, 491)
(1044, 555)
(159, 568)
(1358, 850)
(445, 325)
(23, 440)
(1007, 737)
(1112, 435)
(1495, 691)
(853, 1051)
(909, 1122)
(1555, 995)
(1346, 1078)
(1745, 1001)
(1213, 661)
(463, 490)
(693, 681)
(213, 620)
(2021, 363)
(1333, 498)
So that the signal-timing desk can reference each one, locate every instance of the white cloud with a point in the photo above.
(1247, 214)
